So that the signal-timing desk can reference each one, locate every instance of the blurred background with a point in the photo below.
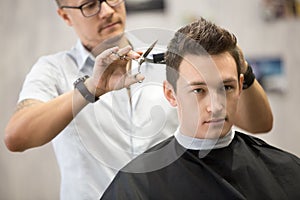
(267, 30)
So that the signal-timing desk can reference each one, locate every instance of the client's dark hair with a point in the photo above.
(200, 38)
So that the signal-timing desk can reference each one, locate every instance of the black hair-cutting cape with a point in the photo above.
(248, 168)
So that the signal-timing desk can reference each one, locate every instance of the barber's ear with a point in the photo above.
(64, 16)
(170, 93)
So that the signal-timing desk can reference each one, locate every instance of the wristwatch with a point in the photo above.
(80, 86)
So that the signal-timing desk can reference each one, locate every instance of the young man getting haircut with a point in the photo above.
(206, 158)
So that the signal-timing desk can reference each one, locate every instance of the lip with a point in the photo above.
(217, 121)
(110, 25)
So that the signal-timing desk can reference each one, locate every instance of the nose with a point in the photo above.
(216, 103)
(106, 11)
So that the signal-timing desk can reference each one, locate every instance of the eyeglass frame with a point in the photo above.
(82, 5)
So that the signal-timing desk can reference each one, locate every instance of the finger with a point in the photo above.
(133, 55)
(125, 50)
(122, 53)
(127, 53)
(140, 52)
(131, 79)
(108, 52)
(108, 56)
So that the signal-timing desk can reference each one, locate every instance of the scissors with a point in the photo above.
(142, 59)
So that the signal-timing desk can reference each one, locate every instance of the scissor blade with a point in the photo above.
(146, 53)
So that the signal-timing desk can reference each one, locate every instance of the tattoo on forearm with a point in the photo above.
(25, 104)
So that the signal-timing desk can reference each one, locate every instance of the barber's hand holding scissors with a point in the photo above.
(110, 71)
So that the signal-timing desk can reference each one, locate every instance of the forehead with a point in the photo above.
(74, 2)
(208, 68)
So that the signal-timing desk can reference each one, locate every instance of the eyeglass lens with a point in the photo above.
(93, 8)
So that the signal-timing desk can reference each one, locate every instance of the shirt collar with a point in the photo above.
(203, 144)
(81, 54)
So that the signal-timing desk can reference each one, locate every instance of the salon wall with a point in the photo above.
(31, 28)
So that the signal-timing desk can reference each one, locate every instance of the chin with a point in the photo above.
(213, 133)
(113, 31)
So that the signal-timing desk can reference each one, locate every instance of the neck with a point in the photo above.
(120, 41)
(189, 142)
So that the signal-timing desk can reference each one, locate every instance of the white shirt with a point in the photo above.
(105, 135)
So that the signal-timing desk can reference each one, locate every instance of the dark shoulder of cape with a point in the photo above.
(248, 168)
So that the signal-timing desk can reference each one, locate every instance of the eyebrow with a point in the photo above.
(81, 2)
(199, 83)
(230, 80)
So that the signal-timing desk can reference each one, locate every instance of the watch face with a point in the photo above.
(81, 79)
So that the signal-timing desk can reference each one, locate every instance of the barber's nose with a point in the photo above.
(106, 10)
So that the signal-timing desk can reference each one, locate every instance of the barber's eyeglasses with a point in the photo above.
(92, 8)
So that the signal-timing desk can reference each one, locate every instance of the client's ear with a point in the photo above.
(170, 93)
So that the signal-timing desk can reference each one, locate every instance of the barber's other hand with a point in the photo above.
(110, 72)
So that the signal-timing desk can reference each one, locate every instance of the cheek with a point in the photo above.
(231, 105)
(85, 30)
(123, 13)
(188, 103)
(188, 108)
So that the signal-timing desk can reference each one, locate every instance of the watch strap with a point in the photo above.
(80, 86)
(249, 78)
